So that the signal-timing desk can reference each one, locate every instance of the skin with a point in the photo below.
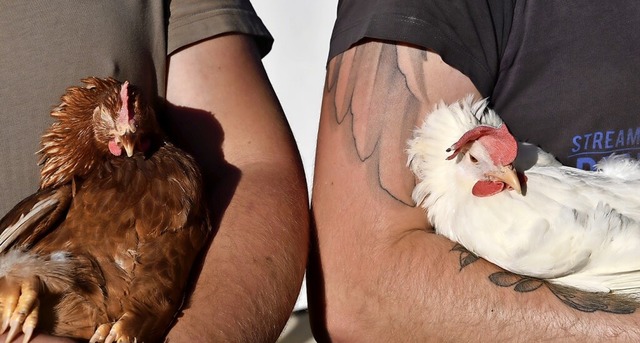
(253, 270)
(223, 110)
(377, 271)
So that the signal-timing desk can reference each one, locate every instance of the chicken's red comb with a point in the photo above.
(502, 146)
(123, 115)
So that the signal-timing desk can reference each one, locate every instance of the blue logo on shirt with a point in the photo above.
(589, 148)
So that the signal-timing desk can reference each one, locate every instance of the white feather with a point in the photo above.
(38, 211)
(620, 166)
(572, 227)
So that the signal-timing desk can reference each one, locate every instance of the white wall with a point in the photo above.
(296, 64)
(296, 67)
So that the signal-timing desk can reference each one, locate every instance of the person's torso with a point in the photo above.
(569, 79)
(47, 46)
(563, 74)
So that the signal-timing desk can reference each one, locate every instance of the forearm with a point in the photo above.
(415, 290)
(253, 269)
(381, 274)
(224, 111)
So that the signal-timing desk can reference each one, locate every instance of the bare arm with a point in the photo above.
(40, 338)
(377, 270)
(225, 112)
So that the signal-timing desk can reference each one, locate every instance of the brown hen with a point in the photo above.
(104, 249)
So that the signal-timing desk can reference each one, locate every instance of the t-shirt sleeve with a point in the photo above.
(470, 35)
(191, 21)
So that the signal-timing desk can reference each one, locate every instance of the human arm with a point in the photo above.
(254, 267)
(377, 270)
(40, 338)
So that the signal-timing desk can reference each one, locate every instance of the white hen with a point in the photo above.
(571, 227)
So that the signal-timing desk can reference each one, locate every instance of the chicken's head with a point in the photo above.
(461, 151)
(121, 122)
(486, 154)
(99, 120)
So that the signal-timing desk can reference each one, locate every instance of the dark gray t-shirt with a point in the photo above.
(562, 74)
(47, 46)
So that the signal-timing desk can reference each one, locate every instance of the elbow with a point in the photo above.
(345, 326)
(343, 317)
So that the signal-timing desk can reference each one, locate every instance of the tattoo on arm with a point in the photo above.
(379, 91)
(378, 94)
(577, 299)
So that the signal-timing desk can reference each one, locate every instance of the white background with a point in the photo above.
(296, 64)
(296, 67)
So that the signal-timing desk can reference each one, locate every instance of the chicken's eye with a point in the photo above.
(473, 159)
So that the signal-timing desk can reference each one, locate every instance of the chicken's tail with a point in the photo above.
(612, 271)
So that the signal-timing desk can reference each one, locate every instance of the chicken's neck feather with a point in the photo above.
(429, 150)
(68, 146)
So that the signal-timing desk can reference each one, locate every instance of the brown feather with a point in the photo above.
(130, 228)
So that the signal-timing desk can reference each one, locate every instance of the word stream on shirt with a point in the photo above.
(589, 148)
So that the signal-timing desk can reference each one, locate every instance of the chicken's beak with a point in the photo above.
(128, 143)
(509, 176)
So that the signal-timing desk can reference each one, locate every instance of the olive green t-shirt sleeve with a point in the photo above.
(191, 21)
